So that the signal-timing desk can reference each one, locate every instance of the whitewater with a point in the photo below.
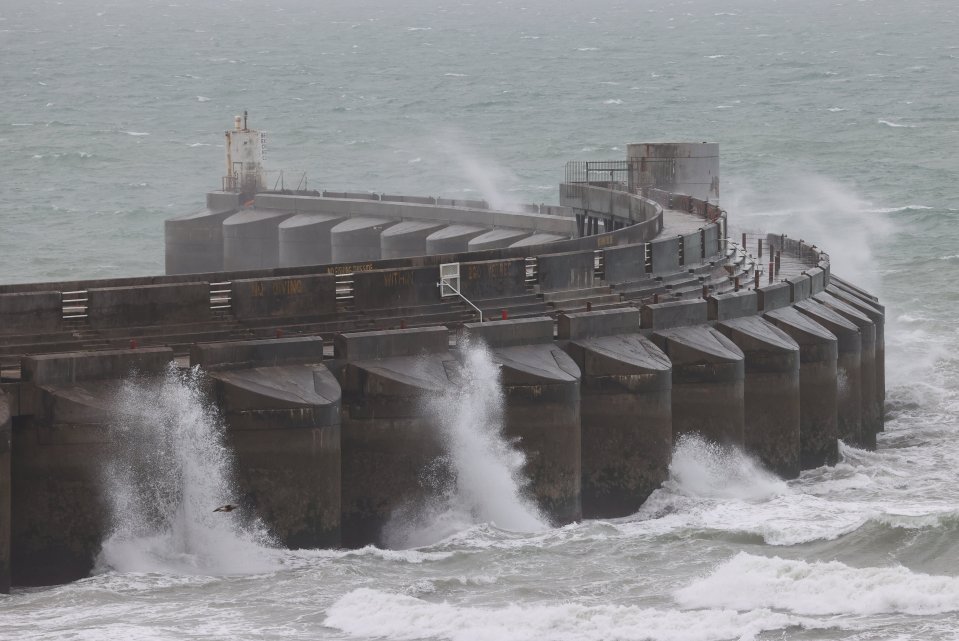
(837, 122)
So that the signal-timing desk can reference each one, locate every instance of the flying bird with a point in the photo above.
(229, 507)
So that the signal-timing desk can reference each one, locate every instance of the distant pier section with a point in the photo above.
(620, 319)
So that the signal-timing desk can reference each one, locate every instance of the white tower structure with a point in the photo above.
(244, 158)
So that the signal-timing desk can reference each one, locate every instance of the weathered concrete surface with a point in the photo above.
(683, 168)
(541, 384)
(5, 493)
(59, 512)
(708, 375)
(452, 239)
(358, 238)
(30, 312)
(665, 254)
(871, 408)
(674, 314)
(877, 315)
(732, 305)
(493, 279)
(251, 239)
(496, 239)
(389, 441)
(848, 368)
(570, 270)
(772, 395)
(145, 305)
(287, 297)
(539, 238)
(774, 296)
(625, 409)
(818, 354)
(283, 427)
(194, 242)
(624, 264)
(407, 238)
(396, 288)
(304, 239)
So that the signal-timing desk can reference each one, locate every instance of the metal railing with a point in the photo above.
(344, 288)
(74, 304)
(532, 272)
(221, 295)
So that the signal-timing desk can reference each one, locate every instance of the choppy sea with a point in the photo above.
(838, 122)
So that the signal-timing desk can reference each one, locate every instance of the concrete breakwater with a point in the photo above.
(646, 323)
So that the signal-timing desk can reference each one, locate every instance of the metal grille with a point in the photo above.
(449, 279)
(613, 174)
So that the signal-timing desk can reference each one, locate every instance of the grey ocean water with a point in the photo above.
(838, 122)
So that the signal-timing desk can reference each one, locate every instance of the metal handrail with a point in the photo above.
(446, 283)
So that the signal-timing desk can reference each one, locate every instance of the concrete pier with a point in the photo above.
(304, 239)
(389, 443)
(541, 384)
(848, 369)
(59, 515)
(358, 239)
(407, 238)
(871, 411)
(708, 383)
(771, 392)
(877, 314)
(194, 242)
(452, 239)
(625, 409)
(251, 239)
(818, 354)
(282, 410)
(496, 239)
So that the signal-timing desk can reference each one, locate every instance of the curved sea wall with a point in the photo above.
(647, 323)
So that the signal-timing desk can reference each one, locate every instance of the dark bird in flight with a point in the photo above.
(229, 507)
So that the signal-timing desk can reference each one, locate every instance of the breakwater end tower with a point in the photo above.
(620, 319)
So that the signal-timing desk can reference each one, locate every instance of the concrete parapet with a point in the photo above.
(251, 239)
(772, 394)
(460, 202)
(817, 280)
(871, 407)
(6, 432)
(541, 385)
(30, 312)
(626, 410)
(681, 168)
(396, 288)
(496, 239)
(74, 367)
(732, 305)
(876, 314)
(420, 200)
(708, 390)
(665, 254)
(607, 322)
(283, 297)
(304, 239)
(389, 439)
(800, 288)
(194, 243)
(222, 200)
(774, 296)
(358, 238)
(144, 305)
(711, 240)
(283, 419)
(354, 195)
(407, 238)
(848, 369)
(624, 264)
(818, 354)
(364, 346)
(674, 314)
(692, 248)
(257, 353)
(491, 279)
(571, 270)
(453, 239)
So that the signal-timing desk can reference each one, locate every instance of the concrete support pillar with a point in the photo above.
(626, 410)
(877, 314)
(496, 239)
(5, 488)
(304, 239)
(407, 238)
(453, 239)
(848, 369)
(251, 239)
(871, 410)
(358, 238)
(708, 383)
(541, 384)
(771, 397)
(818, 353)
(281, 406)
(389, 442)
